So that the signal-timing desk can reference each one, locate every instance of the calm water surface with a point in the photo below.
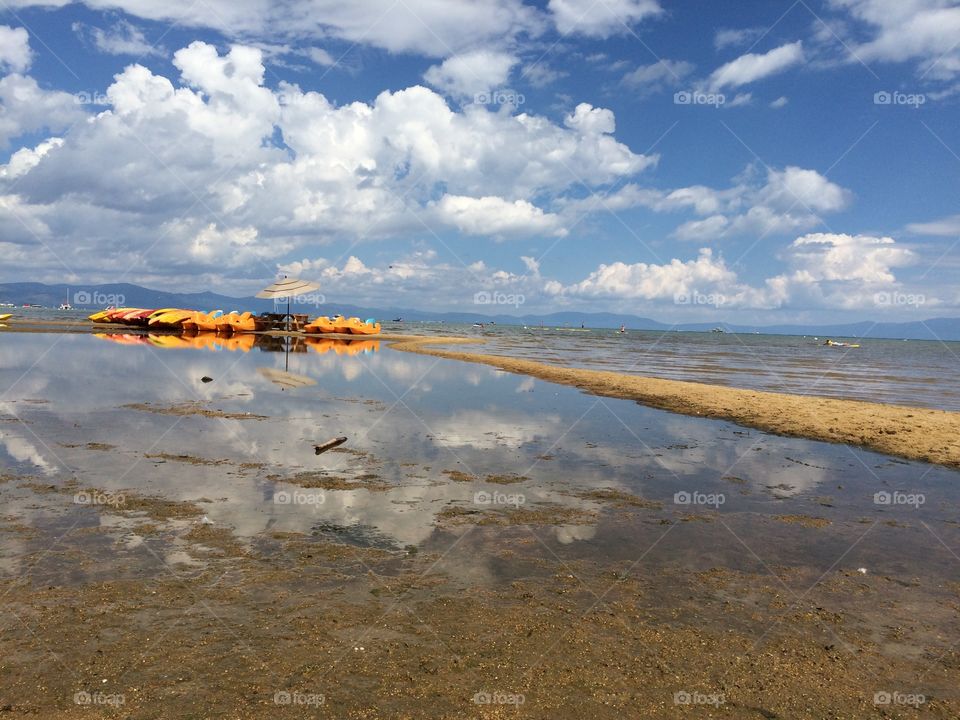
(108, 413)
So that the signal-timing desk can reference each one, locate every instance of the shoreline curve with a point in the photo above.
(913, 433)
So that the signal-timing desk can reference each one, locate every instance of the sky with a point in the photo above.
(712, 161)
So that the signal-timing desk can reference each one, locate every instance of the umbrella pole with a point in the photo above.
(288, 314)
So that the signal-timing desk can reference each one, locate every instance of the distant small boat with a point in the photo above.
(718, 330)
(398, 319)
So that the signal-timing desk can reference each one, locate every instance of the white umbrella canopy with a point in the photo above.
(287, 288)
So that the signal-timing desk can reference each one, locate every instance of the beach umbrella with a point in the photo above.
(286, 380)
(286, 289)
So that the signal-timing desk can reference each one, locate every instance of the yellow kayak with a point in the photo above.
(171, 318)
(6, 317)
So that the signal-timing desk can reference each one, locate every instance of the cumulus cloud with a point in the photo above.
(25, 107)
(600, 19)
(15, 53)
(825, 270)
(216, 172)
(496, 217)
(468, 74)
(650, 281)
(837, 270)
(752, 67)
(832, 256)
(782, 201)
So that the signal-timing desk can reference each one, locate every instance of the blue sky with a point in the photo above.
(749, 161)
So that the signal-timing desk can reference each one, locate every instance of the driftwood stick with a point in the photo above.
(329, 445)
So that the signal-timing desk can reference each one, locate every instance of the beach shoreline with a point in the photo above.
(912, 433)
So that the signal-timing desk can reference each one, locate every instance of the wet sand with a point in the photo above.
(915, 433)
(296, 623)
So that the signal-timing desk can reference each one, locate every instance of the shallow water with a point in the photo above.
(120, 417)
(916, 372)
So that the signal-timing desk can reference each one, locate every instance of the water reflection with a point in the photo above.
(244, 343)
(131, 417)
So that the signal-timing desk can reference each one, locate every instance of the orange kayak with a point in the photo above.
(343, 326)
(359, 327)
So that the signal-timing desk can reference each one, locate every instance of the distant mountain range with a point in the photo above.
(97, 296)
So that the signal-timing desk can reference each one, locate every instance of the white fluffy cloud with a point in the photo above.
(752, 67)
(26, 107)
(494, 216)
(15, 53)
(655, 282)
(926, 30)
(838, 271)
(779, 202)
(468, 74)
(600, 18)
(825, 270)
(251, 174)
(863, 258)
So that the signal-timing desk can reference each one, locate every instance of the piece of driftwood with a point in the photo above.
(329, 445)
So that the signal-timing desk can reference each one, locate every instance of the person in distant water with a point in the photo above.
(623, 328)
(581, 326)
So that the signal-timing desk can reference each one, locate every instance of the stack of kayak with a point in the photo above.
(231, 323)
(188, 320)
(342, 325)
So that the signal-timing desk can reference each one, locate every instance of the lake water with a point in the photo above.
(127, 415)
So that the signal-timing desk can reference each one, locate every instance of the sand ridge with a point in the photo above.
(909, 432)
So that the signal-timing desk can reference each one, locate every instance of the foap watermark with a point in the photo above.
(298, 497)
(95, 97)
(99, 698)
(899, 299)
(686, 697)
(896, 697)
(914, 100)
(499, 698)
(312, 298)
(95, 497)
(698, 97)
(714, 500)
(295, 697)
(695, 297)
(498, 298)
(500, 97)
(498, 498)
(95, 298)
(896, 497)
